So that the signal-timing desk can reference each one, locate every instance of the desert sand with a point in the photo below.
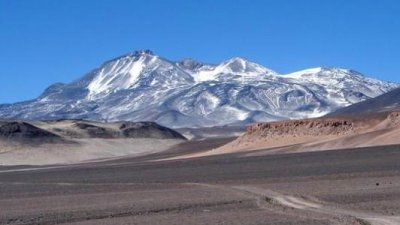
(83, 150)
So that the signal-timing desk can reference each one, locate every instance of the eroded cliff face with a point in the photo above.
(313, 127)
(311, 133)
(322, 126)
(293, 132)
(294, 136)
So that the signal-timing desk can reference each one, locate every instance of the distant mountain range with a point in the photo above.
(383, 104)
(142, 86)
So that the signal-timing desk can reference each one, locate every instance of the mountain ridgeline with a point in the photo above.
(142, 86)
(383, 104)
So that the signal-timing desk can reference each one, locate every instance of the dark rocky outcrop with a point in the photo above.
(25, 132)
(94, 131)
(68, 130)
(148, 130)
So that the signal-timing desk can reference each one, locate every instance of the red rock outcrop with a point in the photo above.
(306, 127)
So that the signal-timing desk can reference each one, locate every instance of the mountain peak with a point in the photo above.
(244, 66)
(236, 62)
(142, 52)
(189, 64)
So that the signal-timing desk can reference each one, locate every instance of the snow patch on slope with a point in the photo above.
(240, 67)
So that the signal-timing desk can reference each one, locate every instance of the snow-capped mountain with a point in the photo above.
(142, 86)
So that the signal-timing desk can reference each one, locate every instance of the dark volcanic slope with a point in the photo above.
(148, 130)
(381, 104)
(71, 141)
(25, 132)
(56, 129)
(120, 130)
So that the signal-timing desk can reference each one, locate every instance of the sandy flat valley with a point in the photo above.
(349, 186)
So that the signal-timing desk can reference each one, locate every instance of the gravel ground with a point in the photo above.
(334, 187)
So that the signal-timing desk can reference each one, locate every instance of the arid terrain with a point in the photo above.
(181, 112)
(72, 141)
(331, 170)
(352, 186)
(307, 135)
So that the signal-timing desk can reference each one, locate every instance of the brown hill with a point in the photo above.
(313, 135)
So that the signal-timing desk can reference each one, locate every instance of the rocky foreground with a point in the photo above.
(343, 187)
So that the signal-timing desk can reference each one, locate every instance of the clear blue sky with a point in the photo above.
(48, 41)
